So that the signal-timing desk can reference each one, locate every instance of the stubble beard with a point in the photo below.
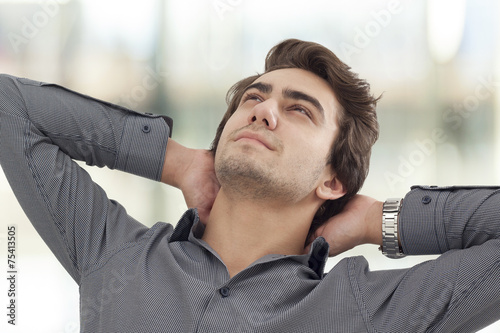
(246, 178)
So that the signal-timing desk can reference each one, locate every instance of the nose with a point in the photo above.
(265, 113)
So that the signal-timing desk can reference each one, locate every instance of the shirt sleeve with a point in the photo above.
(457, 292)
(43, 128)
(434, 220)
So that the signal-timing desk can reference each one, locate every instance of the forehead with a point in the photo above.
(296, 78)
(303, 81)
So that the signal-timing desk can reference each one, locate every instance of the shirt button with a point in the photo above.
(146, 128)
(224, 291)
(426, 199)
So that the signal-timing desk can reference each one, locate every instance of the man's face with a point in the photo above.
(277, 142)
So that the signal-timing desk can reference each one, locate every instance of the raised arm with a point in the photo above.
(42, 128)
(433, 220)
(457, 292)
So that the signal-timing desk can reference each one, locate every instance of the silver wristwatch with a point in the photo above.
(390, 240)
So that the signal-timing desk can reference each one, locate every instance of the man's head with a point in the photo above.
(354, 128)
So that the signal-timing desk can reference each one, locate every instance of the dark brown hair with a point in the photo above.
(358, 127)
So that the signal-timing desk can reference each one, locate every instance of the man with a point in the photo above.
(290, 153)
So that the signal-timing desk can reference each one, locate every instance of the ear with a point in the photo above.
(330, 189)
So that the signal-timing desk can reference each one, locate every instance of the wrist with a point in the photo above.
(374, 220)
(177, 160)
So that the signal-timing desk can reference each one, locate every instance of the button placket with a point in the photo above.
(224, 292)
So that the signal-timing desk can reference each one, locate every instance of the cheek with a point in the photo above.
(317, 150)
(237, 118)
(235, 122)
(225, 133)
(229, 128)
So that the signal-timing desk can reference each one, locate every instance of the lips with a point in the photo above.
(254, 136)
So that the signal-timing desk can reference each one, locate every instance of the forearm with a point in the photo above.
(434, 220)
(177, 160)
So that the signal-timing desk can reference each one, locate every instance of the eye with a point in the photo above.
(253, 97)
(302, 110)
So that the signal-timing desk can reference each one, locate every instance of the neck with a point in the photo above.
(244, 230)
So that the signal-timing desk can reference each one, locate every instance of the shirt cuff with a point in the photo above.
(143, 146)
(421, 227)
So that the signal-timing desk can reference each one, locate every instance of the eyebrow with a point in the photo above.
(299, 95)
(266, 88)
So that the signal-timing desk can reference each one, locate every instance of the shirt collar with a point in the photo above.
(185, 226)
(189, 228)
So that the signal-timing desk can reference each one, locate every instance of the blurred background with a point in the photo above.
(436, 62)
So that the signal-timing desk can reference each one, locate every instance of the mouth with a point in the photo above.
(255, 138)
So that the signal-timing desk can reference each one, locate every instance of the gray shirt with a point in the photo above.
(164, 279)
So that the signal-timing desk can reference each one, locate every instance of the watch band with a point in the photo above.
(390, 239)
